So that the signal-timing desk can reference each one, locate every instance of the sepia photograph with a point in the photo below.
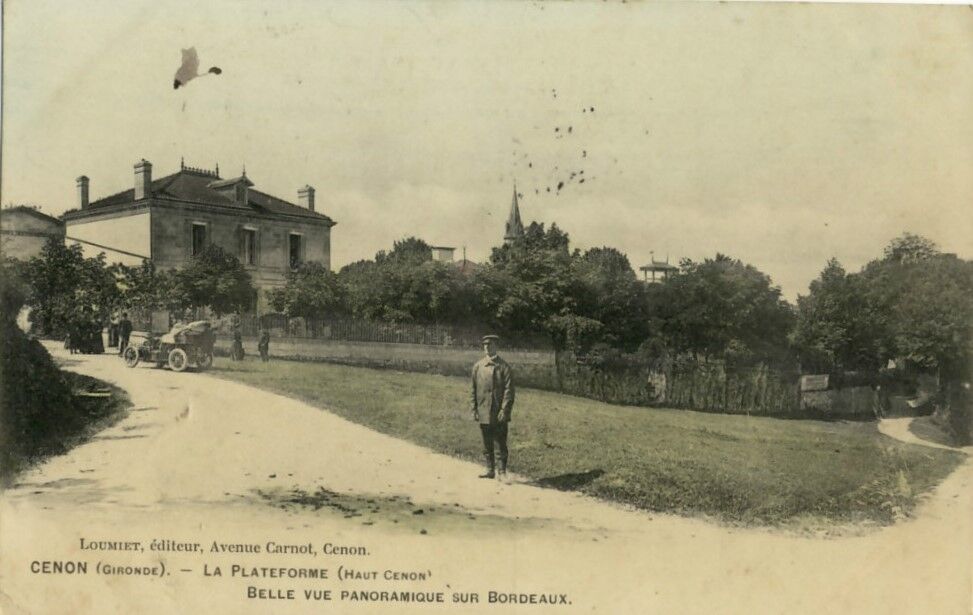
(486, 307)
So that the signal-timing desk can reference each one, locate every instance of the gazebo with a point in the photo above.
(657, 271)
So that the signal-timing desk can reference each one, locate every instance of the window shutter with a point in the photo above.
(188, 234)
(256, 248)
(241, 248)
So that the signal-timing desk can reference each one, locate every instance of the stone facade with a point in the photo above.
(180, 214)
(171, 239)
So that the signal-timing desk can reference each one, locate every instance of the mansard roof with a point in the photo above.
(201, 187)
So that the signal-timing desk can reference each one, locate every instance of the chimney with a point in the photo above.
(83, 192)
(305, 197)
(143, 179)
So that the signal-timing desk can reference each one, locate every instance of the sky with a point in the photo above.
(782, 135)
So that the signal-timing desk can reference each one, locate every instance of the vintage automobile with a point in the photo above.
(184, 345)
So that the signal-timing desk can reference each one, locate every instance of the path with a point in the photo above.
(187, 461)
(898, 428)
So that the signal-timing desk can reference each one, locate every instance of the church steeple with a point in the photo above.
(515, 228)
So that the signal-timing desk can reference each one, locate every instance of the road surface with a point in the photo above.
(204, 460)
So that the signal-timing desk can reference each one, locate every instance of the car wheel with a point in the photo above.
(131, 356)
(178, 361)
(205, 361)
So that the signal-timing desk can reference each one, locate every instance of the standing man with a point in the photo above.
(491, 404)
(237, 353)
(264, 345)
(124, 332)
(113, 331)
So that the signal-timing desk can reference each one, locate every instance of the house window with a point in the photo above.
(294, 251)
(249, 256)
(199, 238)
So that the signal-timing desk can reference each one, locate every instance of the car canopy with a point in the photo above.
(180, 332)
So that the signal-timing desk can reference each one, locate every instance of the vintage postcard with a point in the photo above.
(486, 307)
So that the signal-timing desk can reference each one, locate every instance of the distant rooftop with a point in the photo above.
(203, 187)
(32, 210)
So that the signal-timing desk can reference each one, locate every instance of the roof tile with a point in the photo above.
(200, 188)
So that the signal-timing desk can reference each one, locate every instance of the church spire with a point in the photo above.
(515, 228)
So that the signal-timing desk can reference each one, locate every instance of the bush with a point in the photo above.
(39, 415)
(955, 410)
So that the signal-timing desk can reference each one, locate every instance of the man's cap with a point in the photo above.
(487, 338)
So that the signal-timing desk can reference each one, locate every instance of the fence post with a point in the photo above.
(726, 389)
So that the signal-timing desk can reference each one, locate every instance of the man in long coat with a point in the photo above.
(124, 333)
(491, 405)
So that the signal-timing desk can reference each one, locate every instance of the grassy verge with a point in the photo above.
(738, 469)
(89, 415)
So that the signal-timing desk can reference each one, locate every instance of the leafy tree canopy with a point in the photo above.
(214, 279)
(722, 304)
(914, 303)
(63, 283)
(313, 290)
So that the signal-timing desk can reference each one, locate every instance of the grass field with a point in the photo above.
(734, 468)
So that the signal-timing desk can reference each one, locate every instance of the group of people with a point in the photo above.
(84, 333)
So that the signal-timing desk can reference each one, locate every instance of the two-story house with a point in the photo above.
(171, 219)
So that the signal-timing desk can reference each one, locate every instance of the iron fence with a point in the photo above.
(349, 330)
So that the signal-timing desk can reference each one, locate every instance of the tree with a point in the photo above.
(924, 302)
(410, 250)
(722, 307)
(312, 291)
(932, 318)
(213, 279)
(406, 285)
(529, 284)
(914, 303)
(910, 248)
(145, 288)
(838, 327)
(63, 283)
(609, 292)
(14, 288)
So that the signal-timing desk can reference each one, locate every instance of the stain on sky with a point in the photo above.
(555, 180)
(189, 69)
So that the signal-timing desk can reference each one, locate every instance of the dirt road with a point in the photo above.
(201, 460)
